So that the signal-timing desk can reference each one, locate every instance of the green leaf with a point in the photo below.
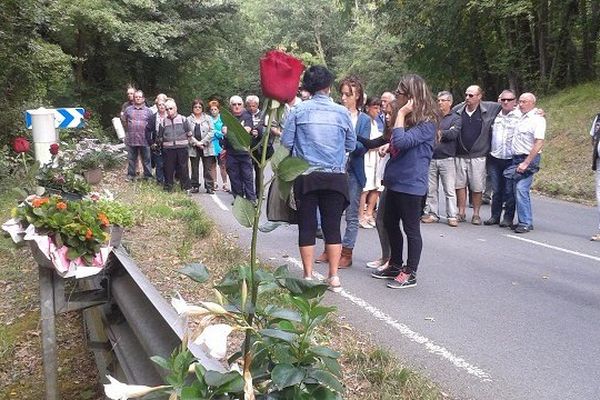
(282, 313)
(285, 188)
(285, 375)
(327, 379)
(231, 382)
(304, 288)
(161, 362)
(283, 271)
(323, 351)
(193, 392)
(196, 271)
(200, 372)
(243, 211)
(323, 393)
(320, 311)
(237, 136)
(286, 326)
(301, 303)
(72, 253)
(332, 366)
(290, 168)
(280, 154)
(279, 334)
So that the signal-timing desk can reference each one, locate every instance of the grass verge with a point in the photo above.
(170, 231)
(567, 156)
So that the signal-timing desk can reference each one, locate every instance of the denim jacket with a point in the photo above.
(321, 133)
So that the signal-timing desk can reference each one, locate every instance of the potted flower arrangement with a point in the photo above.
(90, 165)
(69, 233)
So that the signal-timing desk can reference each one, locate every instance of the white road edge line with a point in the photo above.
(405, 331)
(218, 202)
(549, 246)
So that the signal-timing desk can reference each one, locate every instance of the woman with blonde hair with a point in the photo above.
(406, 178)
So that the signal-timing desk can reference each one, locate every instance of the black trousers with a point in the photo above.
(405, 208)
(241, 175)
(176, 161)
(331, 205)
(209, 171)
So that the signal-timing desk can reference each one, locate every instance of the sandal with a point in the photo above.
(334, 284)
(461, 217)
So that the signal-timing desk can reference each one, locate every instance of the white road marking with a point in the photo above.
(405, 331)
(218, 202)
(549, 246)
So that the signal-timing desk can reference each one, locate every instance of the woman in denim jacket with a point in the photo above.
(321, 133)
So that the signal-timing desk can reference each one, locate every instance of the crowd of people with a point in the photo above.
(380, 161)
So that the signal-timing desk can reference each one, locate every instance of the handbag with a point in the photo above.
(278, 209)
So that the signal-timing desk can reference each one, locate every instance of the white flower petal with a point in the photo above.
(183, 308)
(214, 340)
(116, 390)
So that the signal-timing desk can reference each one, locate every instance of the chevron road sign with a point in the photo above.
(63, 118)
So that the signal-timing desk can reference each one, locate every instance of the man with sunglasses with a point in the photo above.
(500, 158)
(472, 149)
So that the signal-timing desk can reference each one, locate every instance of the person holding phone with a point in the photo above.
(406, 178)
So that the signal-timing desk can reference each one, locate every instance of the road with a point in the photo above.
(495, 315)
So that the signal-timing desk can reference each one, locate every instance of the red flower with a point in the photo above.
(61, 205)
(280, 75)
(54, 149)
(87, 115)
(20, 145)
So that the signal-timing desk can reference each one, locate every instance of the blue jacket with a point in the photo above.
(356, 163)
(320, 132)
(407, 170)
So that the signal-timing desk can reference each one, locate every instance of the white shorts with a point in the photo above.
(470, 171)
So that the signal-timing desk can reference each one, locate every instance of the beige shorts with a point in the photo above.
(470, 171)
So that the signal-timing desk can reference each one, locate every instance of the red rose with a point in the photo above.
(54, 149)
(280, 75)
(20, 145)
(87, 115)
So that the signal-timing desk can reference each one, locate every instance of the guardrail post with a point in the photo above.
(48, 331)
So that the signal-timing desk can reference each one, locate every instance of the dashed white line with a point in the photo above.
(549, 246)
(405, 331)
(218, 202)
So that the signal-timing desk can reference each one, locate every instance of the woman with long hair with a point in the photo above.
(215, 117)
(373, 167)
(406, 178)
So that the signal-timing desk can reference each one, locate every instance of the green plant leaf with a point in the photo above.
(324, 393)
(236, 134)
(231, 382)
(243, 211)
(161, 362)
(280, 154)
(193, 392)
(285, 188)
(285, 375)
(290, 168)
(304, 288)
(200, 372)
(196, 271)
(283, 271)
(279, 334)
(332, 366)
(327, 379)
(318, 311)
(282, 313)
(323, 351)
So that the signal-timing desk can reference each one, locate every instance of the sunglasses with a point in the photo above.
(236, 104)
(198, 106)
(470, 95)
(507, 100)
(398, 92)
(170, 108)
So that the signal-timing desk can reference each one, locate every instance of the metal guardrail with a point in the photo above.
(134, 324)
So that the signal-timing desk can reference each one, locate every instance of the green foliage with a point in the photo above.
(197, 272)
(116, 212)
(61, 179)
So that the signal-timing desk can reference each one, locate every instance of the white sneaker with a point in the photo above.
(375, 264)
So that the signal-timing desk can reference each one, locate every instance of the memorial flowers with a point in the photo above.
(71, 234)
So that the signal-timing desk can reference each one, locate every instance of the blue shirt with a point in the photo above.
(321, 133)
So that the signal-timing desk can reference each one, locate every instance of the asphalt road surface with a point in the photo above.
(495, 315)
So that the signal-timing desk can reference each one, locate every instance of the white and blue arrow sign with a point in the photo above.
(63, 118)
